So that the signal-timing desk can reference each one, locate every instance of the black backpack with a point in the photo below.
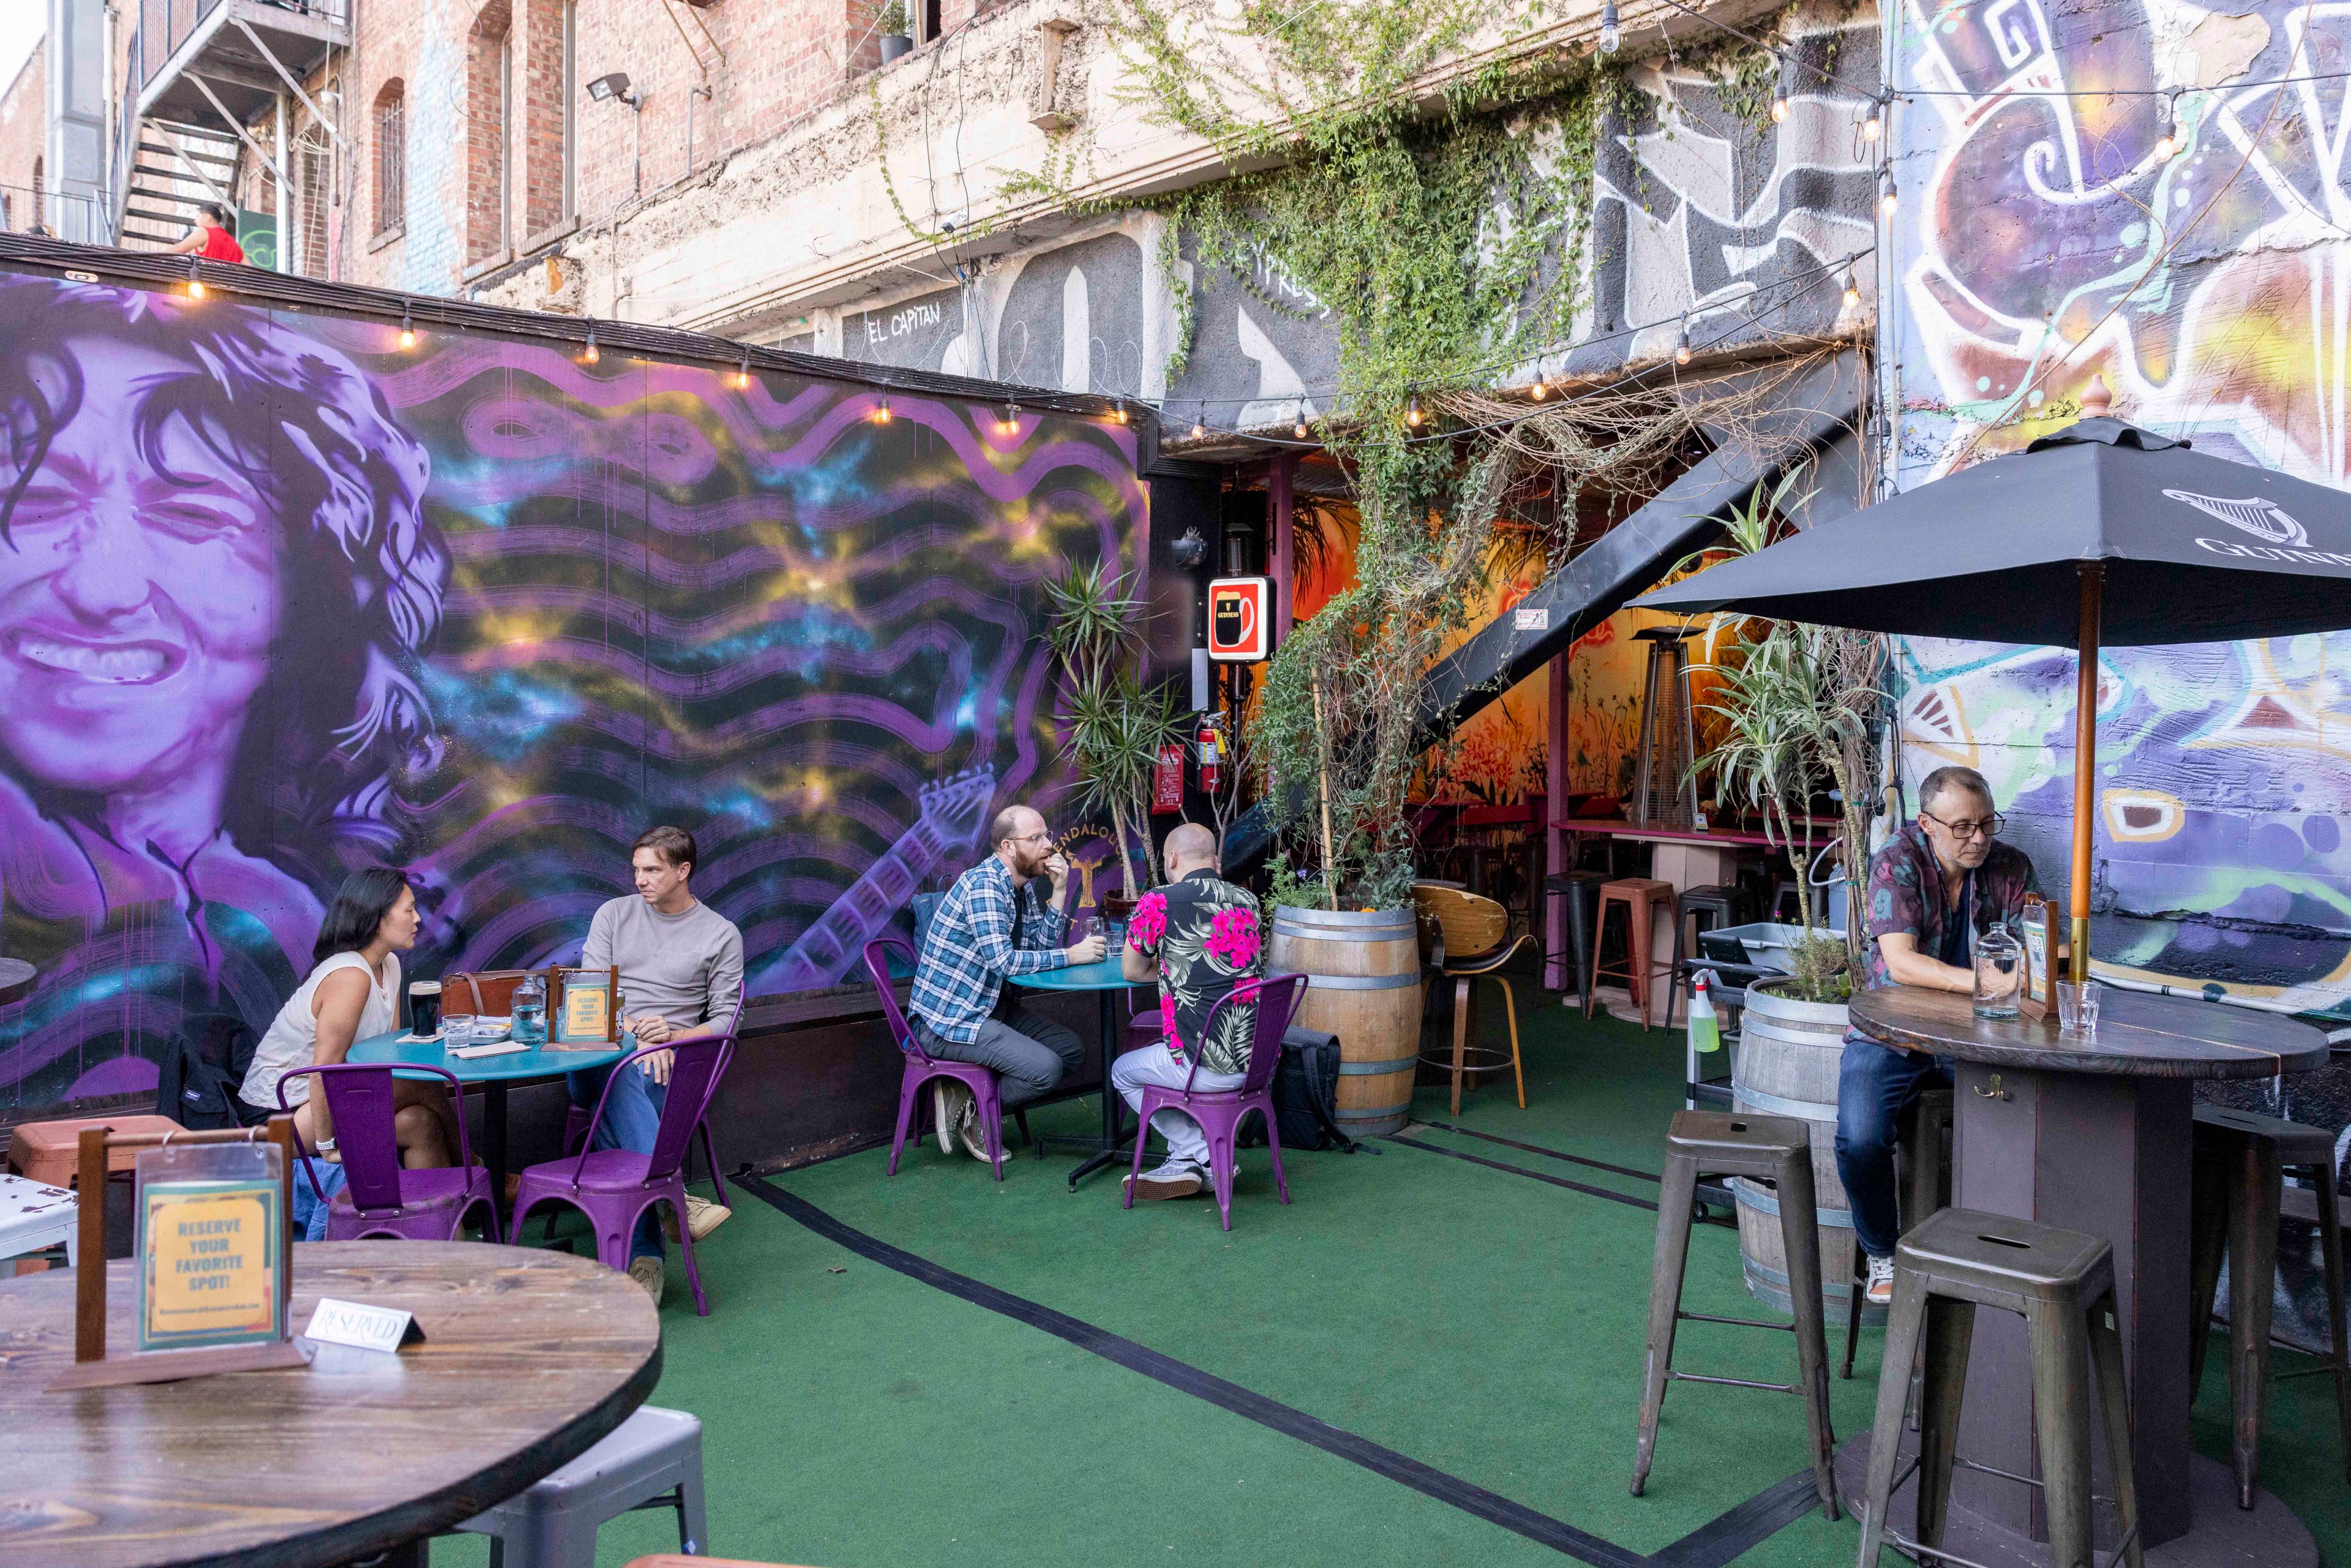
(1306, 1095)
(203, 1071)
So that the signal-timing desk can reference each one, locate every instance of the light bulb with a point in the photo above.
(1852, 288)
(1297, 428)
(2168, 144)
(1118, 411)
(1198, 429)
(882, 410)
(407, 332)
(1611, 39)
(195, 284)
(1011, 419)
(1412, 410)
(1681, 344)
(1541, 390)
(1779, 109)
(1887, 199)
(1873, 126)
(588, 356)
(743, 375)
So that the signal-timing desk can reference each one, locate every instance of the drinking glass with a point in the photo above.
(1999, 973)
(456, 1030)
(2078, 1007)
(423, 1008)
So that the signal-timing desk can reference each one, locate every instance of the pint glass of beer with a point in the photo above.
(424, 1008)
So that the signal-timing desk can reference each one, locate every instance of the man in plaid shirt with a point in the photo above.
(998, 920)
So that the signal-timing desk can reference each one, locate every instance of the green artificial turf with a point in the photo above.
(1481, 1323)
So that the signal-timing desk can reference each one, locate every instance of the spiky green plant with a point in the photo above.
(1117, 726)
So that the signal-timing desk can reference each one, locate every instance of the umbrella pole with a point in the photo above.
(2085, 768)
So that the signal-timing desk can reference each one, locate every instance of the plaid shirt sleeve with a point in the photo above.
(990, 910)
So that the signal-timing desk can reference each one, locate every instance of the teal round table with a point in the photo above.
(1104, 978)
(493, 1074)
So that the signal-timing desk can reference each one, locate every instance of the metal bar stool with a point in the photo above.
(1922, 1186)
(1581, 890)
(1719, 904)
(1775, 1149)
(1637, 895)
(2241, 1161)
(2063, 1283)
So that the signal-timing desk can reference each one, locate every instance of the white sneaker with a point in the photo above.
(973, 1137)
(1176, 1178)
(1881, 1283)
(703, 1217)
(949, 1102)
(648, 1272)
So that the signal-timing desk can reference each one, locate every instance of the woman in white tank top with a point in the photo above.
(353, 992)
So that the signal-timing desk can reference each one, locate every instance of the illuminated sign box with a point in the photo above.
(1240, 619)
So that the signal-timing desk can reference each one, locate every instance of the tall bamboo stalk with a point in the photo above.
(1322, 745)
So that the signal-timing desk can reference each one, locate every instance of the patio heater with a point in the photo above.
(1664, 794)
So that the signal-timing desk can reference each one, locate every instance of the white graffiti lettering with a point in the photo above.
(899, 323)
(2272, 552)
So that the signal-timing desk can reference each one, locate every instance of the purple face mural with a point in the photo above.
(278, 599)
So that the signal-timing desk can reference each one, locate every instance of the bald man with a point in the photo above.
(1198, 936)
(998, 920)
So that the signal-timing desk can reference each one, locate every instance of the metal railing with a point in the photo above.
(165, 24)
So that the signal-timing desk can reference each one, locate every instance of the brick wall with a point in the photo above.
(486, 95)
(23, 113)
(544, 69)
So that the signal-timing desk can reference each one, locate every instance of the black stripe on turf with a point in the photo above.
(1539, 1149)
(1452, 1490)
(1523, 1171)
(1726, 1539)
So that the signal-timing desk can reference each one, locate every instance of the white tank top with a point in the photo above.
(293, 1037)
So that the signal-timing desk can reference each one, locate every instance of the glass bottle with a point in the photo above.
(1999, 973)
(530, 1011)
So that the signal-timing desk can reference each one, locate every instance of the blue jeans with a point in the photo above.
(632, 1122)
(1876, 1083)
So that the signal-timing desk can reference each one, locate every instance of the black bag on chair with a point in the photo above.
(1306, 1094)
(201, 1074)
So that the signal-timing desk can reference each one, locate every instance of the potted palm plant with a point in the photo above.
(1115, 723)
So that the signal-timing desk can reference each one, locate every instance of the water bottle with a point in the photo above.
(530, 1012)
(1705, 1029)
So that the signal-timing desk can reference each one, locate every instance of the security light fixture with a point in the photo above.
(1611, 38)
(1189, 551)
(605, 88)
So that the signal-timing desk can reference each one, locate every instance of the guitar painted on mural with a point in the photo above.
(951, 813)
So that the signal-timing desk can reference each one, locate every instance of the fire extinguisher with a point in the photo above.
(1210, 769)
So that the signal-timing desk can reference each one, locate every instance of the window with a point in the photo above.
(391, 157)
(926, 21)
(488, 63)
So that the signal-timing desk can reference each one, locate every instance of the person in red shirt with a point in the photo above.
(214, 237)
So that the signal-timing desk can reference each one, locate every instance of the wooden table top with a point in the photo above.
(2140, 1035)
(529, 1358)
(17, 978)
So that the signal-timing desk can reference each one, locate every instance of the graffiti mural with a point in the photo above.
(2048, 233)
(279, 599)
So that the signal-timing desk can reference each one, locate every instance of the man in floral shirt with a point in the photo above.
(1199, 937)
(1935, 885)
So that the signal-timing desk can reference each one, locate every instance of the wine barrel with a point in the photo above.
(1786, 1065)
(1363, 983)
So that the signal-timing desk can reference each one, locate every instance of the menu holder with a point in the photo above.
(581, 1015)
(2036, 992)
(214, 1260)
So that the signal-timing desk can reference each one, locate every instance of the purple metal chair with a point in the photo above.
(577, 1124)
(614, 1187)
(1220, 1114)
(922, 1067)
(380, 1199)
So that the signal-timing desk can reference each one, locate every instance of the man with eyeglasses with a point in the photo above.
(998, 921)
(1936, 884)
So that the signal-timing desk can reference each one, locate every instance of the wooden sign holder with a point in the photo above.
(92, 1367)
(556, 1039)
(2036, 991)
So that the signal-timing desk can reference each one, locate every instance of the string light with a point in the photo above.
(1611, 38)
(882, 410)
(1412, 410)
(1779, 99)
(2167, 144)
(588, 356)
(1118, 411)
(407, 331)
(1198, 428)
(1852, 288)
(1887, 199)
(195, 284)
(1541, 390)
(1873, 126)
(1011, 419)
(1297, 428)
(1681, 343)
(743, 374)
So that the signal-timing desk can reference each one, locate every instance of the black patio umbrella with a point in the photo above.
(2102, 533)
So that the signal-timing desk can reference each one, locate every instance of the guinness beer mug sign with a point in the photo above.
(1240, 620)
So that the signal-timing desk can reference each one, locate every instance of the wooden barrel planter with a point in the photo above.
(1363, 983)
(1786, 1065)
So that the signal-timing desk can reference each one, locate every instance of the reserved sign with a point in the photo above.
(209, 1253)
(362, 1327)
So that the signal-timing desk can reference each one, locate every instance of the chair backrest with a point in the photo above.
(1472, 925)
(361, 1096)
(1276, 997)
(696, 1066)
(878, 953)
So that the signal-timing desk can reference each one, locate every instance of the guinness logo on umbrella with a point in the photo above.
(2263, 520)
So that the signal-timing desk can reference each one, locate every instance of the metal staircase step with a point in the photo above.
(190, 152)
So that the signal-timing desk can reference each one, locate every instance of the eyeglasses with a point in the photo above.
(1990, 827)
(1046, 838)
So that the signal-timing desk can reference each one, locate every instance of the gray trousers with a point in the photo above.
(1031, 1055)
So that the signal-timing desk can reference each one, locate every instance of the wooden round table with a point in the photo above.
(2093, 1133)
(529, 1358)
(17, 978)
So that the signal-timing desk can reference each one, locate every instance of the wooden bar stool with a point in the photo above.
(2063, 1283)
(50, 1152)
(1922, 1176)
(1637, 895)
(1475, 947)
(1774, 1149)
(2241, 1161)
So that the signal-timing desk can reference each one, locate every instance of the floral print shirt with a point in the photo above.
(1906, 893)
(1203, 934)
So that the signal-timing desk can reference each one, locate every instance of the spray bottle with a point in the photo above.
(1705, 1029)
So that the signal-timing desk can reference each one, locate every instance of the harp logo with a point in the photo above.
(2265, 519)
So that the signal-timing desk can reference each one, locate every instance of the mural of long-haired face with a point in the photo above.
(214, 569)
